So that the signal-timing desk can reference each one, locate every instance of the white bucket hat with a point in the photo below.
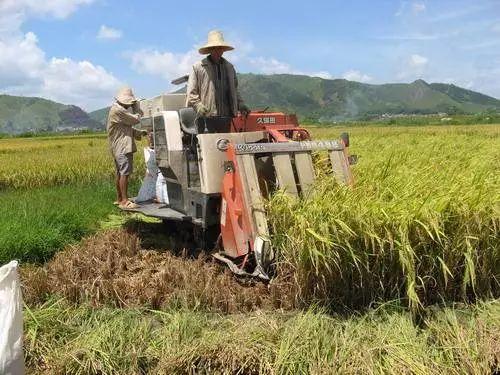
(215, 39)
(125, 96)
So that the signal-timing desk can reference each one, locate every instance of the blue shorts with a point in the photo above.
(124, 164)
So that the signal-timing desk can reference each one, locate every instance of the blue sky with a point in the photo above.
(81, 51)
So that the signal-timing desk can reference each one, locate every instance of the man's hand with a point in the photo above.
(244, 110)
(202, 110)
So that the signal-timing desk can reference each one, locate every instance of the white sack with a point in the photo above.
(11, 321)
(147, 191)
(161, 189)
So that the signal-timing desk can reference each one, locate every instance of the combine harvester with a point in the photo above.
(219, 170)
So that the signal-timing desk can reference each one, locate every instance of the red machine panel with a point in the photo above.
(281, 127)
(256, 121)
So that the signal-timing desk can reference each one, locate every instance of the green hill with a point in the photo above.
(338, 99)
(309, 97)
(324, 99)
(23, 114)
(100, 115)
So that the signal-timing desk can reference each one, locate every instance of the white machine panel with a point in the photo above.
(212, 158)
(172, 131)
(165, 102)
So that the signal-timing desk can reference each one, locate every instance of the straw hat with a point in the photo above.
(215, 39)
(125, 96)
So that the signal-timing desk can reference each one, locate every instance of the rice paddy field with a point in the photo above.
(400, 274)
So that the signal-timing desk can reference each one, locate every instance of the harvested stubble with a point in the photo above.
(64, 339)
(111, 268)
(421, 224)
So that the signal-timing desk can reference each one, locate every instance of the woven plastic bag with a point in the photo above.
(161, 189)
(147, 191)
(11, 321)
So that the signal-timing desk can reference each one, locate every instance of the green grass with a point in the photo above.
(54, 191)
(61, 338)
(36, 223)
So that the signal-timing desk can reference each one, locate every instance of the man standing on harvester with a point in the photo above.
(213, 86)
(123, 115)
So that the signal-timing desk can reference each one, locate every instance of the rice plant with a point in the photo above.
(421, 224)
(36, 162)
(65, 339)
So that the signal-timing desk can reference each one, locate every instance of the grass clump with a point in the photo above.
(61, 338)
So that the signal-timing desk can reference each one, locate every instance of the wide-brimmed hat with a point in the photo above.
(215, 39)
(125, 96)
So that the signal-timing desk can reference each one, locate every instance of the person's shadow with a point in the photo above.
(179, 238)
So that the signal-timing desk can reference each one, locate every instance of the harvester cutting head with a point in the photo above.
(218, 173)
(252, 172)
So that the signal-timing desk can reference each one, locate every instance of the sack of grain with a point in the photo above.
(11, 321)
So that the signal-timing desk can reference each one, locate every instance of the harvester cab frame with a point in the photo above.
(219, 171)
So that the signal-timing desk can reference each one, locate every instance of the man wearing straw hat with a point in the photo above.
(123, 115)
(213, 86)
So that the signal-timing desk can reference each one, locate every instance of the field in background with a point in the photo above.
(46, 161)
(421, 226)
(54, 191)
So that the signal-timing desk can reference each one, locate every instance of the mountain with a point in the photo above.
(24, 114)
(309, 97)
(331, 99)
(101, 115)
(339, 99)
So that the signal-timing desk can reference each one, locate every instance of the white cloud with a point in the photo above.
(321, 74)
(72, 81)
(460, 12)
(356, 75)
(418, 36)
(414, 7)
(167, 65)
(106, 32)
(273, 66)
(25, 69)
(496, 27)
(485, 43)
(418, 7)
(14, 12)
(55, 8)
(20, 61)
(418, 61)
(415, 66)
